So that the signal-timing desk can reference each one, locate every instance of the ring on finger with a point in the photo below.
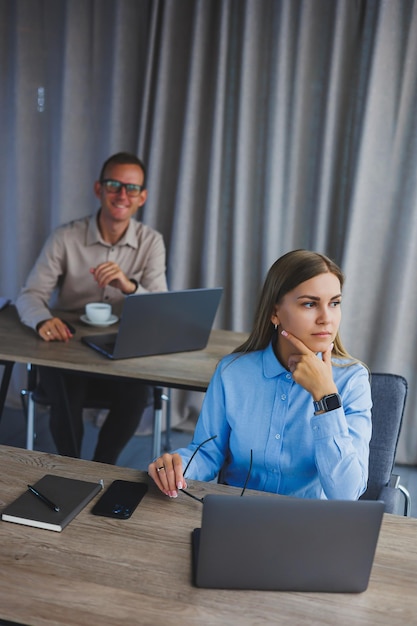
(48, 332)
(158, 469)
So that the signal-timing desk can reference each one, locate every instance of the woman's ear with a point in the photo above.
(275, 316)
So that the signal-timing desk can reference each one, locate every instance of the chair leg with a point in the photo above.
(157, 422)
(158, 397)
(28, 406)
(167, 398)
(30, 426)
(407, 500)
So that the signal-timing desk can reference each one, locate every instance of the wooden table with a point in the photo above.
(185, 370)
(100, 571)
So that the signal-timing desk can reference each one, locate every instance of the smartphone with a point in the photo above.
(120, 499)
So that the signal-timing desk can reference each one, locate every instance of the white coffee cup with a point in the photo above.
(98, 312)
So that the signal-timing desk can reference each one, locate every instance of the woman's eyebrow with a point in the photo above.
(317, 298)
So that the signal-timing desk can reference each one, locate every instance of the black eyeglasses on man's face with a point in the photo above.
(187, 493)
(115, 186)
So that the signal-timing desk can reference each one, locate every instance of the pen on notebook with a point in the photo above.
(44, 499)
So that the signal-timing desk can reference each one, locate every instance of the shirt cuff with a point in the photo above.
(135, 282)
(329, 423)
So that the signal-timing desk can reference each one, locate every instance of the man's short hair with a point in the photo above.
(124, 158)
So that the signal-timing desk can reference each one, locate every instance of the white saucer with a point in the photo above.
(112, 320)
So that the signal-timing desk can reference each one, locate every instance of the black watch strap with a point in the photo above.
(328, 403)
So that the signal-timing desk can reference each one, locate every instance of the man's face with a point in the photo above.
(120, 207)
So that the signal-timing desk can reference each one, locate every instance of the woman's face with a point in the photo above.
(311, 312)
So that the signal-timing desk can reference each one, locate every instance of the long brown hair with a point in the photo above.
(286, 274)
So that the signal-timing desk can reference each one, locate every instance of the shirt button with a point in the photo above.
(277, 436)
(288, 376)
(283, 396)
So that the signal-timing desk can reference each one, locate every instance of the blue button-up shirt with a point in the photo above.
(252, 403)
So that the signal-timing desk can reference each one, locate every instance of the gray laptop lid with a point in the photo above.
(159, 323)
(287, 544)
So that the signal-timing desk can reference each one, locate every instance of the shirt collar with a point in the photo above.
(130, 237)
(272, 367)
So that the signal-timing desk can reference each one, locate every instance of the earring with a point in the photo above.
(275, 326)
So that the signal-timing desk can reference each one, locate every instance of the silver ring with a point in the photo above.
(48, 332)
(158, 469)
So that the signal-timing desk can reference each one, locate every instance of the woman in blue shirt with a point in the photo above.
(291, 397)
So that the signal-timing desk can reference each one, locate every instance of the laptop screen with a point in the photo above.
(161, 323)
(282, 543)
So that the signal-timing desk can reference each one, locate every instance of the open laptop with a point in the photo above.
(285, 544)
(159, 323)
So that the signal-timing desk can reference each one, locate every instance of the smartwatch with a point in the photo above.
(328, 403)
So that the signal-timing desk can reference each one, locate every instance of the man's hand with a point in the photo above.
(54, 329)
(109, 273)
(308, 370)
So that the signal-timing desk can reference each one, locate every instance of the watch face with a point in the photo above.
(332, 402)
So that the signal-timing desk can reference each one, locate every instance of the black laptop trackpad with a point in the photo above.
(195, 545)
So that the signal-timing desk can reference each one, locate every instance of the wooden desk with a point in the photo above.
(103, 572)
(185, 370)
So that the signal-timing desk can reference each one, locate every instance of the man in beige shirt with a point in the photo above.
(103, 257)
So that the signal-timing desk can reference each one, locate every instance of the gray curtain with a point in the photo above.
(266, 125)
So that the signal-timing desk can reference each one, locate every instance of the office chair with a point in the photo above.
(34, 395)
(389, 394)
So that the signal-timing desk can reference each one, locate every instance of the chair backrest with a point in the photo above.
(389, 393)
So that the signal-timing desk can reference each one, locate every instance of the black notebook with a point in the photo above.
(69, 495)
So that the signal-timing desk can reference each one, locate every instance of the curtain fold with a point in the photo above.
(266, 126)
(381, 240)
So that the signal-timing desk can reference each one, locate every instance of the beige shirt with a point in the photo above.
(61, 276)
